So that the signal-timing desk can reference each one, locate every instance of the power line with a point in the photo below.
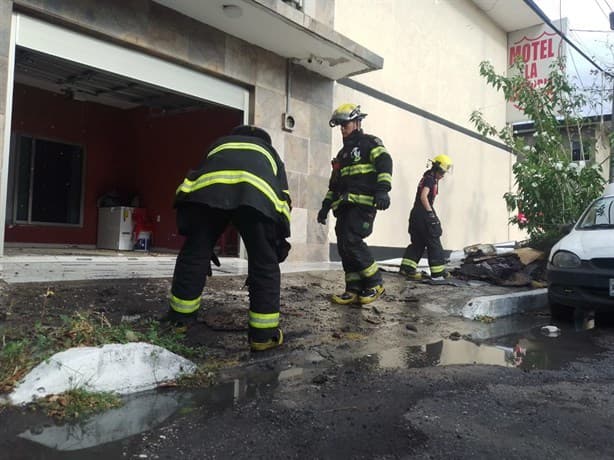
(601, 8)
(606, 2)
(531, 4)
(590, 30)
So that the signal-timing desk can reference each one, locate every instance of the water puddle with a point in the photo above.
(532, 349)
(108, 435)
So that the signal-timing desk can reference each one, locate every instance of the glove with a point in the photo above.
(382, 200)
(283, 249)
(215, 261)
(434, 224)
(322, 215)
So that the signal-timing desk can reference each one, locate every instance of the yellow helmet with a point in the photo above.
(344, 113)
(443, 162)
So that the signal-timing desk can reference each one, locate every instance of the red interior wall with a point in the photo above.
(166, 148)
(130, 151)
(100, 130)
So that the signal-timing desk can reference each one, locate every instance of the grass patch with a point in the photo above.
(19, 355)
(77, 403)
(15, 362)
(484, 319)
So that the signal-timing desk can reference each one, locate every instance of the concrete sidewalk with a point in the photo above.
(121, 265)
(99, 265)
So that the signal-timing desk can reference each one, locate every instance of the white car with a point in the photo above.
(581, 265)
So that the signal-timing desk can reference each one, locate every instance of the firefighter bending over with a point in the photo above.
(241, 180)
(359, 184)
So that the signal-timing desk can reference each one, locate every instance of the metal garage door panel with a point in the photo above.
(67, 44)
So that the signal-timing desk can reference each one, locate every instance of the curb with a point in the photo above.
(496, 306)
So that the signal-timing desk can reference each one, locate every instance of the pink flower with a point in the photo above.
(522, 218)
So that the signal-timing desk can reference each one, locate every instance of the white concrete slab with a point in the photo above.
(118, 368)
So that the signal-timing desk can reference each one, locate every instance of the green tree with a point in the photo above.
(551, 190)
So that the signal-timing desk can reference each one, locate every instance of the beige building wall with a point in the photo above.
(432, 50)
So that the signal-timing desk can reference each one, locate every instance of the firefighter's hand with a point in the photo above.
(434, 224)
(215, 261)
(323, 215)
(432, 218)
(382, 200)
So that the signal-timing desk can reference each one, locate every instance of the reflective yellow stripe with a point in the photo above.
(263, 320)
(437, 268)
(357, 169)
(367, 200)
(409, 263)
(184, 306)
(329, 195)
(246, 146)
(384, 177)
(352, 276)
(369, 271)
(377, 151)
(235, 177)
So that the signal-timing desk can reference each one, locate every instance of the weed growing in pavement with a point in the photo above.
(78, 403)
(170, 340)
(206, 374)
(15, 361)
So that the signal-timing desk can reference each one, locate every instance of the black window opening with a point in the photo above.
(48, 182)
(576, 152)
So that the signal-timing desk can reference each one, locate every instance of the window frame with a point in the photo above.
(14, 175)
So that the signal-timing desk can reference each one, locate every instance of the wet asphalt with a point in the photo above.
(509, 390)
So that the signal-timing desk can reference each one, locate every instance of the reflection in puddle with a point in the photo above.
(449, 352)
(138, 414)
(531, 350)
(143, 412)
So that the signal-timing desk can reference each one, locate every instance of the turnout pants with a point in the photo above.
(354, 223)
(423, 235)
(202, 226)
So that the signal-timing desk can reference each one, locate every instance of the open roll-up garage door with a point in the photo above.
(113, 87)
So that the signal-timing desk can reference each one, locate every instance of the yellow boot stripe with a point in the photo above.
(263, 320)
(409, 263)
(184, 306)
(369, 271)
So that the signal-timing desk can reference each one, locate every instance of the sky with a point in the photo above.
(589, 29)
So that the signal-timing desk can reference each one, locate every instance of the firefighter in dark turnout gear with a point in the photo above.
(241, 180)
(359, 184)
(424, 226)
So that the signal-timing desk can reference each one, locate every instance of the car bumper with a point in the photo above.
(585, 288)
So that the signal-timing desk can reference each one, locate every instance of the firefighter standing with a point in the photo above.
(358, 187)
(424, 226)
(241, 180)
